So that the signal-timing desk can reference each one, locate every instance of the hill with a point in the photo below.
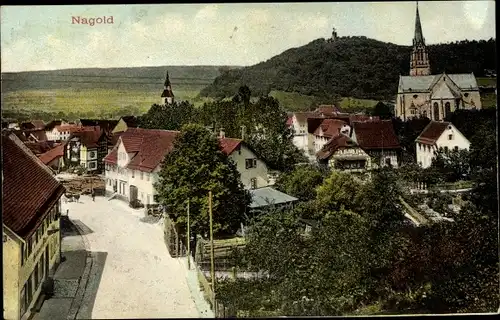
(356, 67)
(136, 78)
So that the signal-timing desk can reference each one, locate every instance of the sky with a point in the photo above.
(240, 34)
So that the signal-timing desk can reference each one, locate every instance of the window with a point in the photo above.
(23, 254)
(250, 163)
(253, 183)
(92, 154)
(92, 165)
(456, 148)
(142, 175)
(37, 275)
(450, 137)
(466, 94)
(133, 173)
(147, 176)
(415, 96)
(446, 149)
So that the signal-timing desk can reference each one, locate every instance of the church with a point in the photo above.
(167, 96)
(433, 96)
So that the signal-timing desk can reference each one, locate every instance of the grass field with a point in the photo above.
(293, 101)
(91, 100)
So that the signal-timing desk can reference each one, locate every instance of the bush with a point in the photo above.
(136, 204)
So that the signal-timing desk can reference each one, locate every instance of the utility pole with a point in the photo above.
(188, 239)
(212, 268)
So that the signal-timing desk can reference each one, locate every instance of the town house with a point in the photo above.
(343, 154)
(31, 227)
(87, 148)
(132, 167)
(378, 140)
(438, 135)
(327, 130)
(60, 132)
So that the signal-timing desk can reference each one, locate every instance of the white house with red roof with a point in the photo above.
(437, 135)
(132, 166)
(61, 132)
(328, 129)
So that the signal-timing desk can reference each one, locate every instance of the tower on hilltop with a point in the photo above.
(419, 61)
(167, 97)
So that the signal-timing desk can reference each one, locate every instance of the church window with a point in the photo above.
(447, 109)
(415, 96)
(436, 111)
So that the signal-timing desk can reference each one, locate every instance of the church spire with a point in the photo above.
(167, 82)
(419, 60)
(419, 38)
(167, 97)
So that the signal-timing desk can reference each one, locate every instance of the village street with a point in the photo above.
(139, 278)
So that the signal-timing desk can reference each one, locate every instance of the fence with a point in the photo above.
(175, 246)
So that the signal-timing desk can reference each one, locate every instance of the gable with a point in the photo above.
(443, 90)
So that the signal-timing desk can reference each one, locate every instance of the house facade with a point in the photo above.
(132, 167)
(61, 132)
(433, 96)
(438, 135)
(328, 129)
(343, 154)
(87, 148)
(378, 139)
(31, 227)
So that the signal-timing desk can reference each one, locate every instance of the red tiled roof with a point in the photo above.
(228, 145)
(375, 134)
(289, 121)
(39, 147)
(39, 124)
(52, 154)
(432, 132)
(150, 147)
(89, 136)
(334, 144)
(330, 127)
(39, 134)
(29, 188)
(69, 128)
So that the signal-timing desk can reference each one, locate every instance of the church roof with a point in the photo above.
(465, 81)
(445, 92)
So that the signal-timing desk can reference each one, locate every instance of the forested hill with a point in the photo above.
(350, 66)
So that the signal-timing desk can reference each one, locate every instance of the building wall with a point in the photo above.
(301, 142)
(11, 257)
(21, 266)
(425, 153)
(120, 126)
(355, 152)
(260, 172)
(404, 100)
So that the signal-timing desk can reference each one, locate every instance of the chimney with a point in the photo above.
(242, 132)
(221, 133)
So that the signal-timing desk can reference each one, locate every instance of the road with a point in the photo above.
(139, 279)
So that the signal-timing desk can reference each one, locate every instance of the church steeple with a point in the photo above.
(167, 97)
(419, 38)
(419, 61)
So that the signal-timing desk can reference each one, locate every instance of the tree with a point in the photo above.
(339, 191)
(301, 182)
(195, 166)
(168, 117)
(382, 110)
(452, 164)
